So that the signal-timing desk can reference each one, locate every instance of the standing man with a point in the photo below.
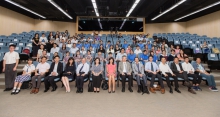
(10, 64)
(124, 69)
(55, 71)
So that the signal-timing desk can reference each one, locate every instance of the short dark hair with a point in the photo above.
(12, 45)
(56, 57)
(163, 57)
(43, 57)
(173, 50)
(176, 58)
(30, 59)
(150, 56)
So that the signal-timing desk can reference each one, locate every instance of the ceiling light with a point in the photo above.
(95, 7)
(122, 24)
(58, 7)
(171, 8)
(16, 4)
(202, 9)
(132, 8)
(100, 25)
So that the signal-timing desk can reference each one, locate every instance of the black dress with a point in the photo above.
(71, 69)
(35, 47)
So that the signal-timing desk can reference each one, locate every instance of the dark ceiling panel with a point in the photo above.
(113, 8)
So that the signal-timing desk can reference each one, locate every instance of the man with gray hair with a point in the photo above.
(125, 70)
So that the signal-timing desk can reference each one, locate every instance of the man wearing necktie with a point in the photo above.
(138, 70)
(152, 70)
(125, 70)
(82, 73)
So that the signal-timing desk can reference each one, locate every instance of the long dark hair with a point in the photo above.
(96, 59)
(36, 34)
(68, 63)
(64, 48)
(112, 59)
(181, 54)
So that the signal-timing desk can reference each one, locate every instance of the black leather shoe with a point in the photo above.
(171, 90)
(17, 92)
(146, 90)
(81, 90)
(54, 89)
(177, 90)
(123, 89)
(46, 90)
(130, 89)
(77, 91)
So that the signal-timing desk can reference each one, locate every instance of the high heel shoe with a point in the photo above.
(109, 91)
(113, 91)
(94, 91)
(97, 91)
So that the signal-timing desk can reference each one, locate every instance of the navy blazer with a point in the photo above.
(59, 68)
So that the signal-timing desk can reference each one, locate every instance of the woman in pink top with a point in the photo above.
(128, 50)
(177, 50)
(111, 73)
(158, 52)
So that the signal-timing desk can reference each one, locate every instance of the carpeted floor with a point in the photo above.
(61, 104)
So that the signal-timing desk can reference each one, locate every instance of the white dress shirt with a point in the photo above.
(29, 68)
(55, 69)
(112, 51)
(178, 67)
(53, 50)
(73, 50)
(188, 67)
(137, 51)
(11, 57)
(124, 67)
(84, 69)
(165, 68)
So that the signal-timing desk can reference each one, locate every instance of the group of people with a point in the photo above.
(79, 62)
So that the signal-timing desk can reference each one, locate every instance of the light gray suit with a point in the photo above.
(141, 71)
(128, 71)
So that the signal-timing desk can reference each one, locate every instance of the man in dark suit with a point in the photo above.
(55, 71)
(177, 69)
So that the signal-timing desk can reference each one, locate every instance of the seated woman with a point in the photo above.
(117, 49)
(97, 70)
(69, 45)
(91, 50)
(128, 50)
(78, 57)
(158, 52)
(155, 58)
(170, 48)
(40, 51)
(111, 73)
(68, 73)
(54, 55)
(164, 55)
(111, 49)
(26, 75)
(63, 50)
(171, 56)
(66, 58)
(131, 56)
(205, 47)
(101, 49)
(144, 57)
(83, 50)
(109, 56)
(177, 50)
(88, 57)
(181, 55)
(44, 54)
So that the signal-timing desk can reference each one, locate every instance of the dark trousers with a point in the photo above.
(153, 76)
(35, 50)
(10, 75)
(96, 81)
(185, 77)
(168, 80)
(196, 78)
(123, 77)
(80, 81)
(49, 81)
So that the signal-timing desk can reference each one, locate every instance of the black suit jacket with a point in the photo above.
(59, 68)
(174, 68)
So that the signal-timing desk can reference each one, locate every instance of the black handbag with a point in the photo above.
(104, 85)
(90, 86)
